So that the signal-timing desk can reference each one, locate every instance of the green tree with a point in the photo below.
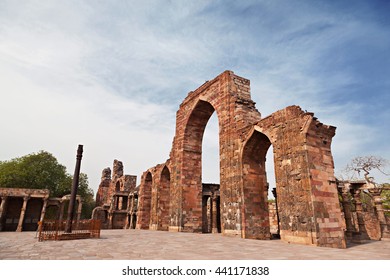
(386, 198)
(42, 171)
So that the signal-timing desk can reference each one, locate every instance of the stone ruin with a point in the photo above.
(364, 215)
(307, 198)
(116, 199)
(172, 196)
(22, 209)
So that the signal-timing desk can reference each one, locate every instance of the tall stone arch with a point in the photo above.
(160, 197)
(228, 95)
(145, 201)
(254, 200)
(307, 198)
(164, 199)
(309, 210)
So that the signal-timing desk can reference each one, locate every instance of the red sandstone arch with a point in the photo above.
(255, 187)
(305, 185)
(145, 197)
(163, 199)
(229, 96)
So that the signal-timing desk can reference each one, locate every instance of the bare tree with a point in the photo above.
(366, 164)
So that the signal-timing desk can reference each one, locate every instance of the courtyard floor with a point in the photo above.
(159, 245)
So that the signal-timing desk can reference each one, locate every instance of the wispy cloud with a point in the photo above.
(112, 74)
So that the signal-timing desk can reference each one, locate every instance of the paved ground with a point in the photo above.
(158, 245)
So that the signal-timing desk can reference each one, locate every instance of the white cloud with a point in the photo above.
(112, 75)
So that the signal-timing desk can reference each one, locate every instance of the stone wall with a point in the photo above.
(305, 184)
(115, 197)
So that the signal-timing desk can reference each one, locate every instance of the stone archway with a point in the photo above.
(228, 95)
(255, 187)
(305, 184)
(145, 197)
(163, 199)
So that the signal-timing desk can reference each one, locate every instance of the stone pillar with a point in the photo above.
(128, 206)
(79, 209)
(43, 212)
(2, 210)
(277, 210)
(356, 191)
(376, 194)
(214, 228)
(22, 213)
(111, 212)
(131, 211)
(344, 191)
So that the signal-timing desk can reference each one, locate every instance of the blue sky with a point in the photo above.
(111, 74)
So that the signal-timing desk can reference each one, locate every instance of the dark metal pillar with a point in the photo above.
(75, 185)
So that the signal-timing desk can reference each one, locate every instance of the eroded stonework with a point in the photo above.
(307, 198)
(23, 209)
(116, 198)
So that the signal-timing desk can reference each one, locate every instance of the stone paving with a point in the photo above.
(160, 245)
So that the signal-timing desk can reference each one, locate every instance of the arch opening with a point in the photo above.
(255, 187)
(163, 200)
(193, 202)
(145, 202)
(211, 221)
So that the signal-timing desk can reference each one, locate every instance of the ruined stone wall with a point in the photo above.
(112, 198)
(102, 193)
(118, 182)
(326, 206)
(273, 218)
(154, 198)
(307, 197)
(145, 201)
(308, 205)
(229, 96)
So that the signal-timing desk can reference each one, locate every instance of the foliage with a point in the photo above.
(42, 171)
(386, 198)
(366, 164)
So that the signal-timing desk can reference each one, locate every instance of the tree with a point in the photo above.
(365, 165)
(42, 171)
(35, 171)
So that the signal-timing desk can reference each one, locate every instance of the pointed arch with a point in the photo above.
(145, 201)
(163, 200)
(255, 187)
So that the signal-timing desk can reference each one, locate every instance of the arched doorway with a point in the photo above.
(192, 156)
(143, 220)
(255, 187)
(163, 199)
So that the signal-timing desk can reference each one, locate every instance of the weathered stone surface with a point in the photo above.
(308, 205)
(22, 209)
(102, 193)
(115, 198)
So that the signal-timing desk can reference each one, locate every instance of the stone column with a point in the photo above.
(111, 212)
(43, 212)
(22, 213)
(2, 210)
(126, 226)
(79, 209)
(356, 191)
(214, 228)
(344, 191)
(277, 210)
(376, 194)
(131, 210)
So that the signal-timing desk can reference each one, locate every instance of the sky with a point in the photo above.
(110, 75)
